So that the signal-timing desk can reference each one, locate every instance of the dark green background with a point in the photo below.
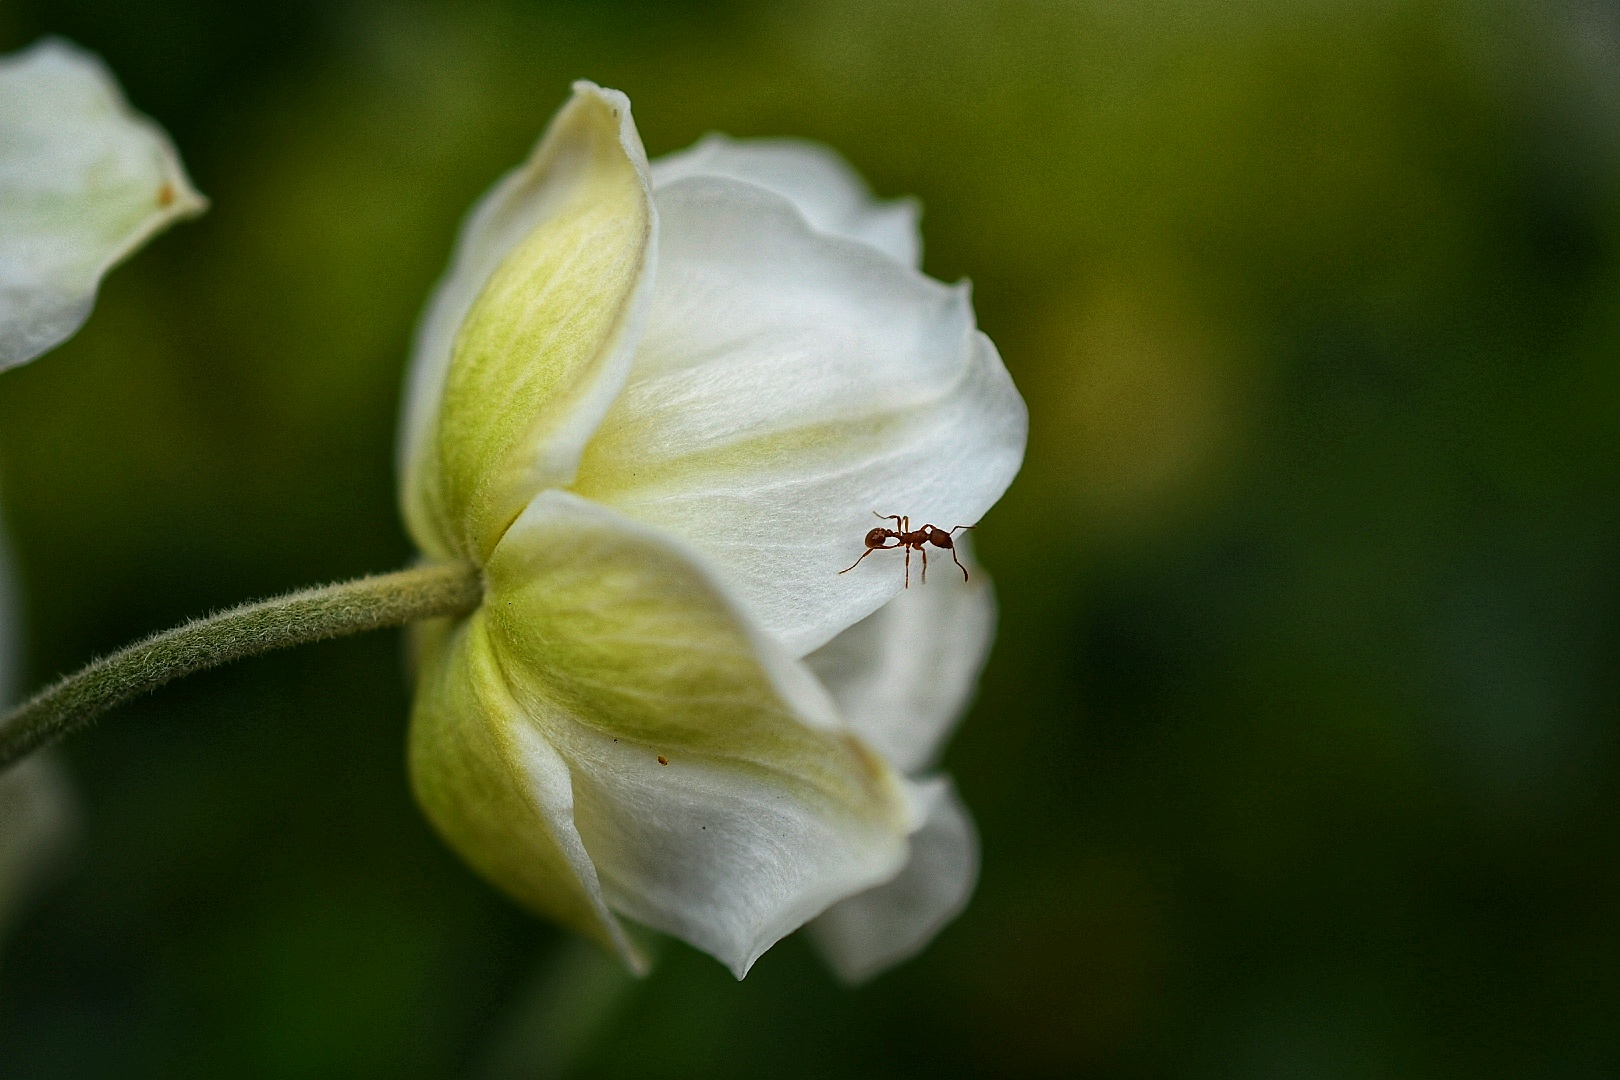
(1297, 755)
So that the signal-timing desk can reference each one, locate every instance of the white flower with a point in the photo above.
(657, 406)
(84, 181)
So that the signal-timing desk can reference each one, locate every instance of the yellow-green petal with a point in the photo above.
(508, 386)
(495, 790)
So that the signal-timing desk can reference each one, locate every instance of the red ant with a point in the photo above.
(911, 540)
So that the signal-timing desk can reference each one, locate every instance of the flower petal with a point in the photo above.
(36, 800)
(719, 795)
(84, 181)
(904, 675)
(10, 636)
(36, 818)
(879, 928)
(790, 384)
(496, 789)
(821, 185)
(529, 336)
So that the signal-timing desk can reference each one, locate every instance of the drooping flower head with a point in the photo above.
(657, 406)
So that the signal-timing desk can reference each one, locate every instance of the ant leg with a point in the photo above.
(954, 530)
(857, 562)
(908, 566)
(924, 551)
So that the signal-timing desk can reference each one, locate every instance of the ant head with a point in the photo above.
(875, 538)
(939, 537)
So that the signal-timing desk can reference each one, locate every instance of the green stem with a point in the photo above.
(368, 603)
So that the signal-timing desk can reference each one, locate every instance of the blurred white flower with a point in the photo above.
(36, 805)
(35, 800)
(84, 181)
(657, 406)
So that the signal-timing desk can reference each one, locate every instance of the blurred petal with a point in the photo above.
(36, 817)
(788, 385)
(529, 336)
(497, 791)
(36, 800)
(621, 651)
(904, 675)
(84, 181)
(879, 928)
(821, 185)
(10, 626)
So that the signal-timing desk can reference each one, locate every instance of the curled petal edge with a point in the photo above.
(822, 186)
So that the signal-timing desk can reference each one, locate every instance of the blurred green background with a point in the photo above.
(1297, 755)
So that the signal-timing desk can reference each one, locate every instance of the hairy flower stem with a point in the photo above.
(351, 607)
